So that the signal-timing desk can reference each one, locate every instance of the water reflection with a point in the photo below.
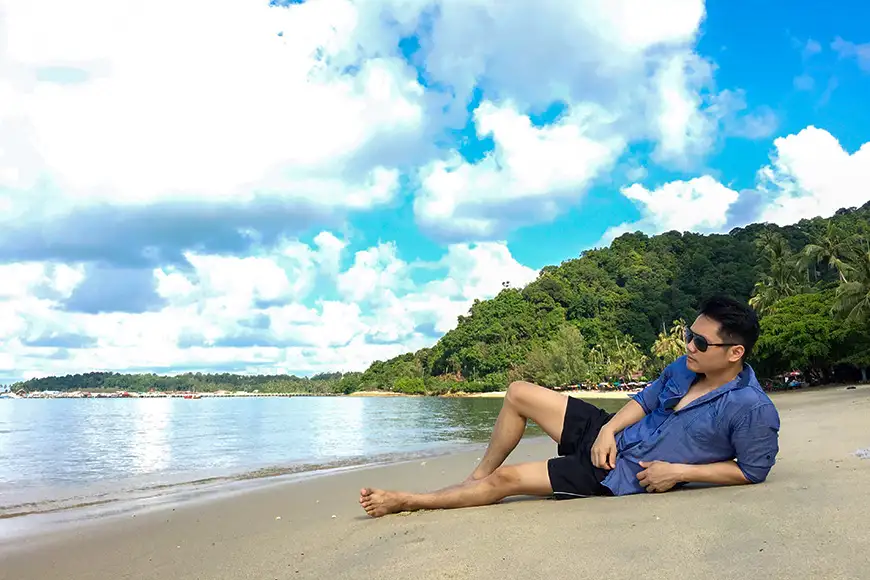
(150, 450)
(7, 443)
(77, 442)
(338, 427)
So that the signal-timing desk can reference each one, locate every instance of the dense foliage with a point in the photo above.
(618, 313)
(195, 382)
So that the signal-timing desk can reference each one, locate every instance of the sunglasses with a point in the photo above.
(701, 343)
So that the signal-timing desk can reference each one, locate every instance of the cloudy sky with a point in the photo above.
(239, 185)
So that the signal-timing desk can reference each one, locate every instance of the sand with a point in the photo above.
(811, 519)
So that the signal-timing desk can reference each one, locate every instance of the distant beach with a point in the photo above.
(595, 394)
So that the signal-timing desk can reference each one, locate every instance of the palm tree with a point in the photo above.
(598, 364)
(627, 359)
(781, 276)
(669, 346)
(853, 296)
(831, 248)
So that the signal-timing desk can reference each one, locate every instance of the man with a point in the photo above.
(705, 419)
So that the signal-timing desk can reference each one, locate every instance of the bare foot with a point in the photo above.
(378, 502)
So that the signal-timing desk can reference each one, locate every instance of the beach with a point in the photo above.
(810, 519)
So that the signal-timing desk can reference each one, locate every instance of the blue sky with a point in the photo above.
(310, 186)
(760, 47)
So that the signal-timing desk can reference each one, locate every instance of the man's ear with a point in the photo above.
(736, 353)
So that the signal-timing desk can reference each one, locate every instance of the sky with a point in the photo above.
(307, 186)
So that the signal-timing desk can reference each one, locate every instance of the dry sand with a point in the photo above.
(811, 519)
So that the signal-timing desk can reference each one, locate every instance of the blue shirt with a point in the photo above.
(737, 420)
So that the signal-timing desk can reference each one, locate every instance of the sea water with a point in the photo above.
(62, 453)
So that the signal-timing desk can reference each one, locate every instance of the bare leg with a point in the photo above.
(522, 401)
(523, 479)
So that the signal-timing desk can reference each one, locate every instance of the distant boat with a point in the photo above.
(192, 396)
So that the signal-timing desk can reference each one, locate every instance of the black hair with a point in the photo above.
(738, 321)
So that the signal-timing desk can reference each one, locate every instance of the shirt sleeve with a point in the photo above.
(756, 442)
(648, 398)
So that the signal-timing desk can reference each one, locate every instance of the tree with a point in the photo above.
(560, 361)
(830, 249)
(669, 346)
(853, 297)
(781, 272)
(797, 333)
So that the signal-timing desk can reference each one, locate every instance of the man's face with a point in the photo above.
(716, 358)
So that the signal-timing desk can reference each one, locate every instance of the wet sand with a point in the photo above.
(811, 519)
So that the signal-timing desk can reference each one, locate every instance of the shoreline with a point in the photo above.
(808, 520)
(128, 495)
(98, 513)
(590, 394)
(210, 395)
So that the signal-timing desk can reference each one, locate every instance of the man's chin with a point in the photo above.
(692, 364)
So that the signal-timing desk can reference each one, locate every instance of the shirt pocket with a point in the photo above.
(670, 395)
(702, 426)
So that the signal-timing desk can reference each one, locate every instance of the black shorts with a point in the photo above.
(572, 474)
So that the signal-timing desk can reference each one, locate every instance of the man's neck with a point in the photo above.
(712, 381)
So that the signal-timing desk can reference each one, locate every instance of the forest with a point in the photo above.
(617, 314)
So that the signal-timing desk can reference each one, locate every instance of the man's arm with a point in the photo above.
(662, 476)
(755, 440)
(603, 452)
(722, 473)
(604, 448)
(639, 405)
(628, 415)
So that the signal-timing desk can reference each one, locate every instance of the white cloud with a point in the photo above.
(221, 111)
(682, 127)
(812, 175)
(812, 47)
(698, 205)
(804, 82)
(375, 271)
(241, 105)
(529, 172)
(626, 72)
(259, 313)
(29, 280)
(860, 52)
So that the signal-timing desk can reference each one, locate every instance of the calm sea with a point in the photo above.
(58, 453)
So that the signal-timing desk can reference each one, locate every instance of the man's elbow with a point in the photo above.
(753, 474)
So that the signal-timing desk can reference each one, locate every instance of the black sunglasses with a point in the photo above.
(701, 343)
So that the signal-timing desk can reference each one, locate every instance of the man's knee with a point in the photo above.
(503, 479)
(520, 393)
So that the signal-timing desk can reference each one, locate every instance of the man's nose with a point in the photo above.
(690, 346)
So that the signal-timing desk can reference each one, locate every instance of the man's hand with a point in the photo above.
(604, 449)
(659, 475)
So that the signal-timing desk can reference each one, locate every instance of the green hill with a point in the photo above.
(616, 313)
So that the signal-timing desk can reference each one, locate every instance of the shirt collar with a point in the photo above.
(686, 378)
